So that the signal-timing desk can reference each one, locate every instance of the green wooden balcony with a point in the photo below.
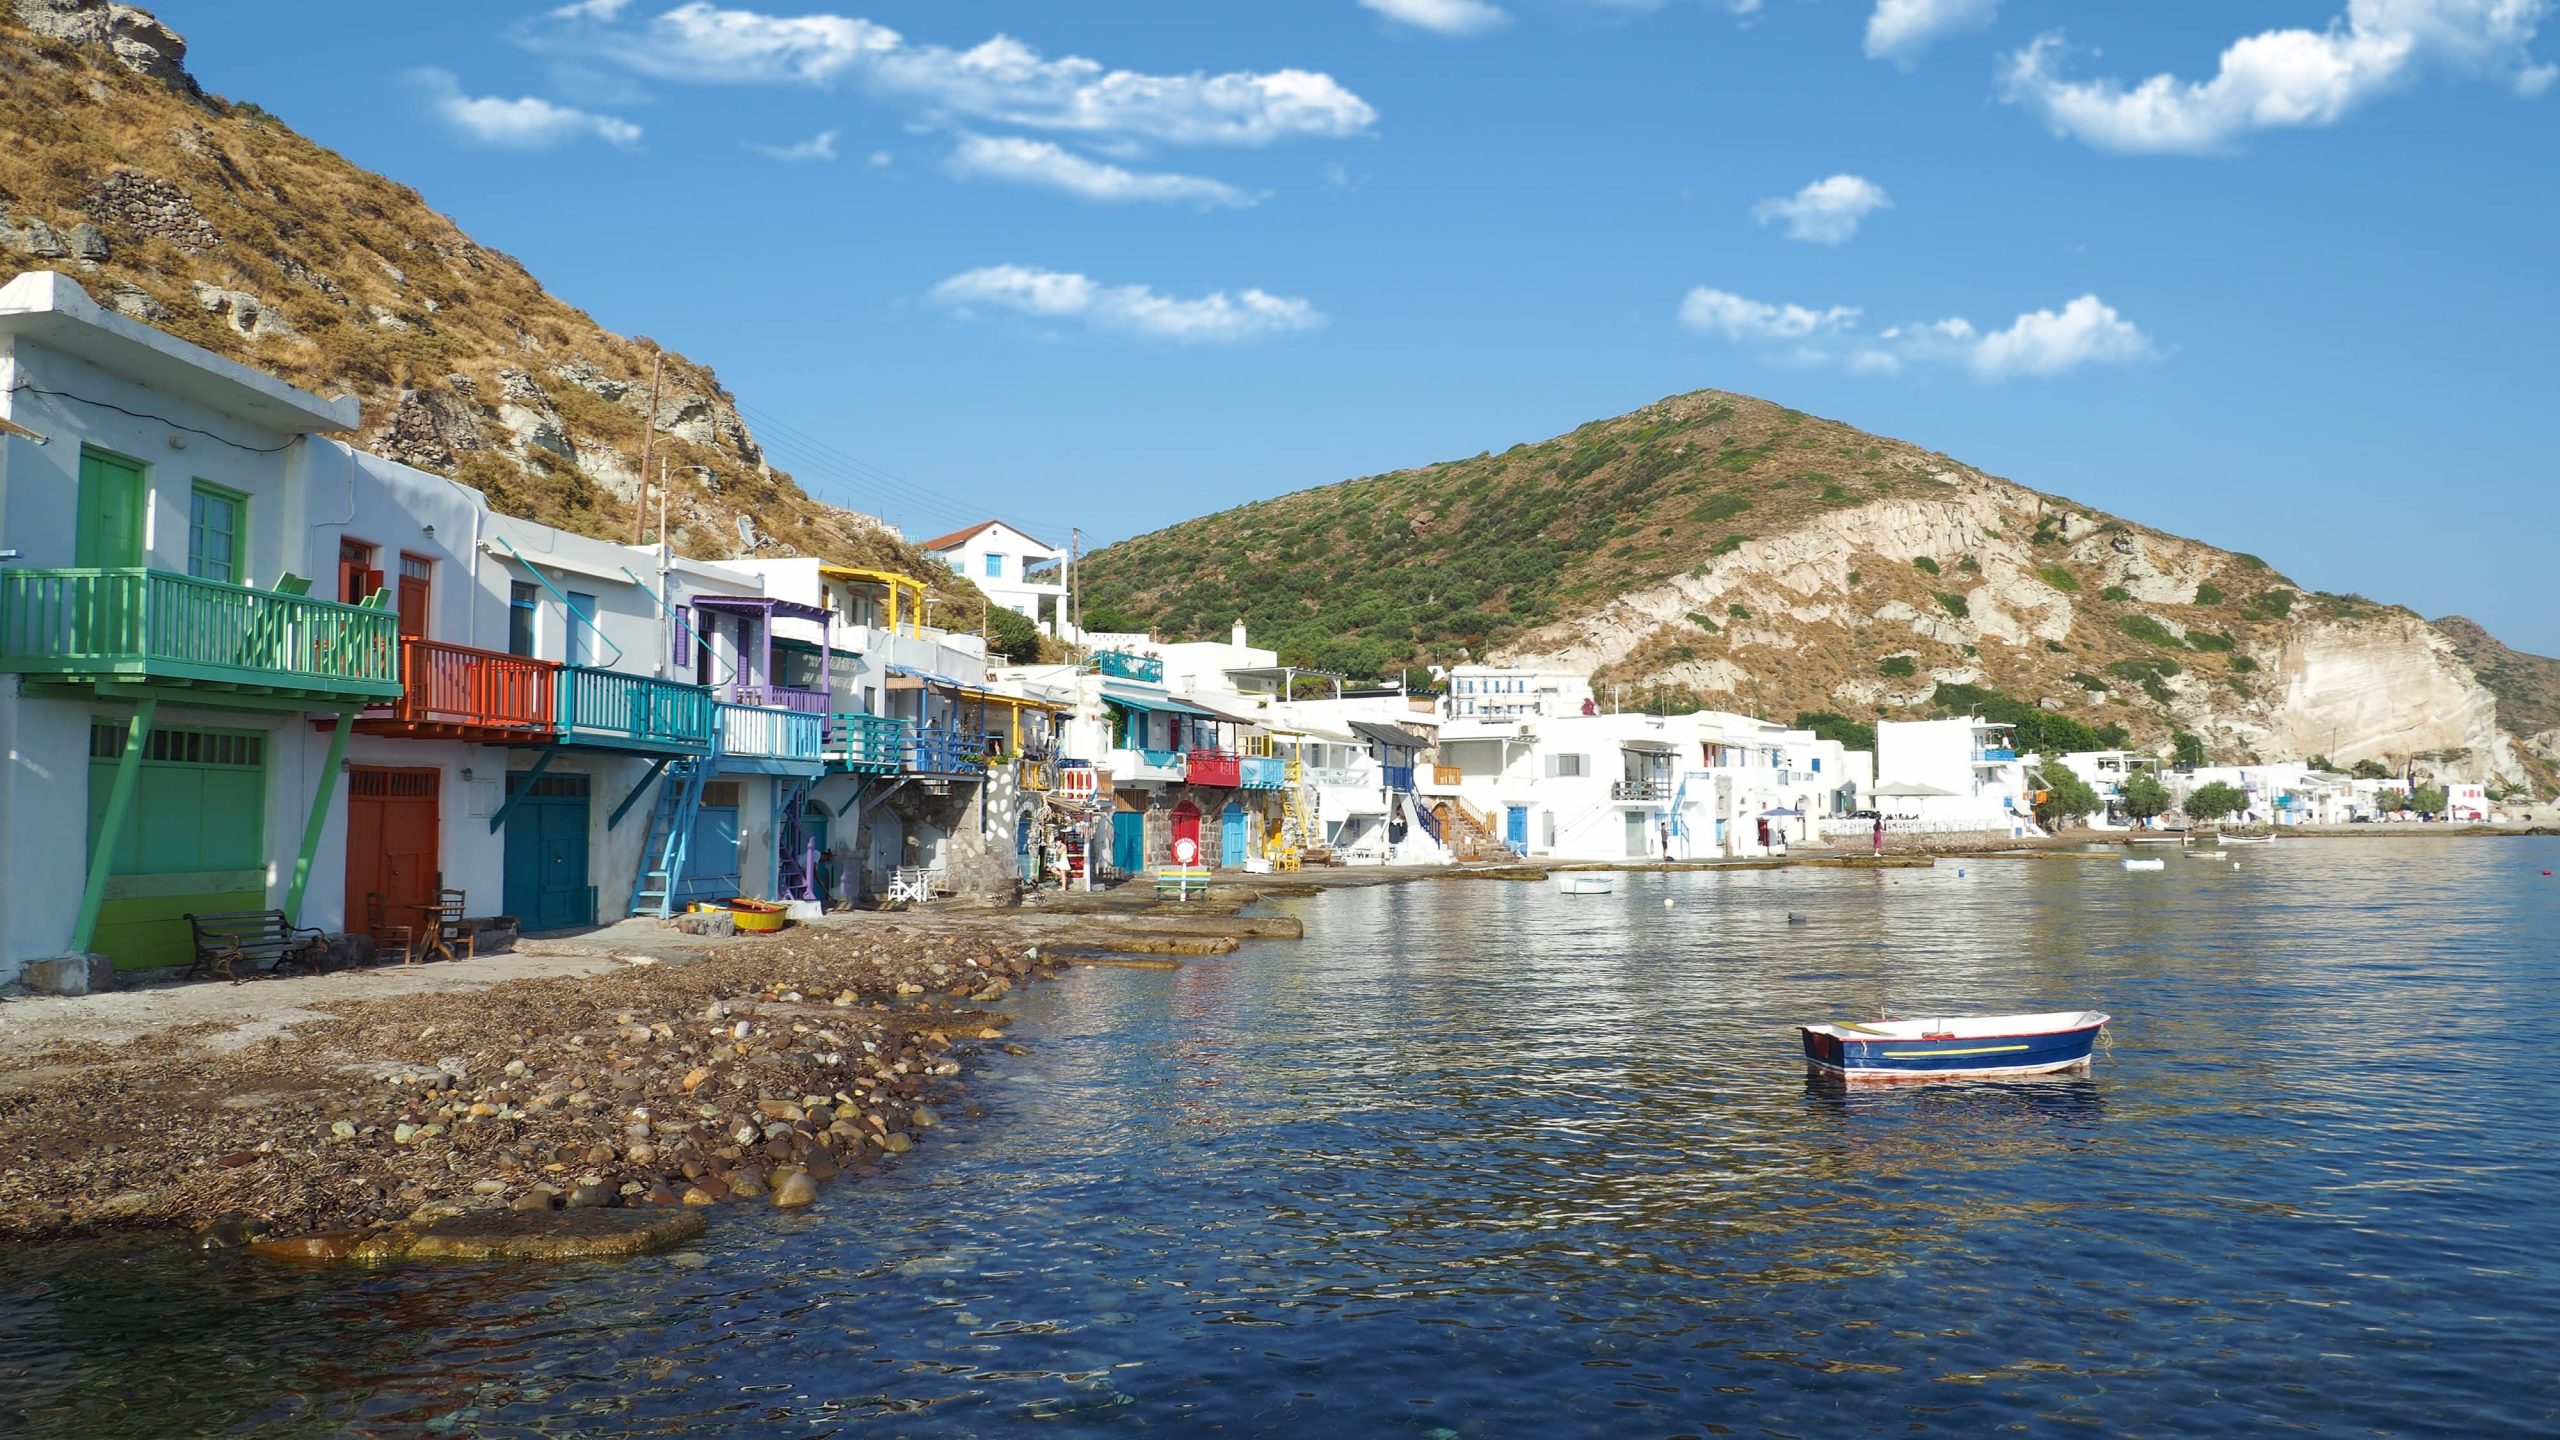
(611, 710)
(144, 627)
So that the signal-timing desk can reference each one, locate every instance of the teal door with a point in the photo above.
(1231, 835)
(1128, 842)
(546, 865)
(1515, 829)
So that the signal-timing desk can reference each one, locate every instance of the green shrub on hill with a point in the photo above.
(1953, 603)
(1851, 734)
(1898, 667)
(2058, 578)
(2148, 630)
(1925, 563)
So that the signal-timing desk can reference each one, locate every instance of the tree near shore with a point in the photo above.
(2144, 797)
(2427, 799)
(2212, 802)
(2062, 797)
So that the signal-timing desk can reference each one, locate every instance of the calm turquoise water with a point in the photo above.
(1479, 1159)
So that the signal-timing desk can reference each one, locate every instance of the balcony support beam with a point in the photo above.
(111, 827)
(320, 794)
(541, 763)
(657, 767)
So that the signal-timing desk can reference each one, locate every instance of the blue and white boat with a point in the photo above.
(1954, 1046)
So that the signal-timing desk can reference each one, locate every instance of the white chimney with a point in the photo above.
(1239, 635)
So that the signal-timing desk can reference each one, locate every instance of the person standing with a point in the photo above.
(1879, 841)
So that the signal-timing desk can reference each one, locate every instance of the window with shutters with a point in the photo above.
(214, 533)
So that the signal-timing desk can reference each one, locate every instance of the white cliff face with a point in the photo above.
(2390, 687)
(2383, 686)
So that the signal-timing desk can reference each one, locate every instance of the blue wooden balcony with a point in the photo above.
(1265, 772)
(1399, 778)
(865, 744)
(136, 626)
(946, 752)
(611, 710)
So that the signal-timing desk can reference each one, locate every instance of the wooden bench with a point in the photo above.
(229, 939)
(1182, 881)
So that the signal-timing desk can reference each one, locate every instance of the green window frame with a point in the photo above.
(216, 525)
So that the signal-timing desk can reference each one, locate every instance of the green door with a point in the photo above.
(194, 842)
(112, 497)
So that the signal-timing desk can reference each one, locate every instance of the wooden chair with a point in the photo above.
(386, 934)
(450, 926)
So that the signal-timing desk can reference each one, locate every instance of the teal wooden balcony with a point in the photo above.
(866, 744)
(1120, 664)
(138, 627)
(614, 711)
(767, 740)
(1265, 772)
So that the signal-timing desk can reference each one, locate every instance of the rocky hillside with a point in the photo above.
(212, 219)
(2527, 686)
(1717, 550)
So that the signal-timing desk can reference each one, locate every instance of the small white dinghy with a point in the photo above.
(2146, 864)
(1586, 884)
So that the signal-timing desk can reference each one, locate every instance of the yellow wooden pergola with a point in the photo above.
(893, 582)
(1015, 704)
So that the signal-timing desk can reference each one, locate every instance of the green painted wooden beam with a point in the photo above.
(102, 856)
(319, 814)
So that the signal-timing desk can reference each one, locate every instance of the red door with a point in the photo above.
(1186, 834)
(392, 826)
(413, 597)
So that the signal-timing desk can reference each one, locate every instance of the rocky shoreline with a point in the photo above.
(751, 1074)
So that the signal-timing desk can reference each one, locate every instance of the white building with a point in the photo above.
(1495, 692)
(2106, 772)
(1951, 775)
(1004, 562)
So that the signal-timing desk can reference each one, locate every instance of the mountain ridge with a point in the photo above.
(213, 220)
(1716, 549)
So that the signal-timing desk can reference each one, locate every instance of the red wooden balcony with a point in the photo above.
(1216, 767)
(454, 692)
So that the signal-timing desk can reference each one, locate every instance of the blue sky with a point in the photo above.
(2275, 275)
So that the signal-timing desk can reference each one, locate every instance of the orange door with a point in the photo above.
(392, 833)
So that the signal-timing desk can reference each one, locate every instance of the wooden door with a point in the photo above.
(113, 496)
(1231, 836)
(546, 862)
(194, 841)
(1186, 828)
(413, 597)
(393, 834)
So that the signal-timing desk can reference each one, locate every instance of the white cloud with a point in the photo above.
(1442, 17)
(2286, 78)
(1827, 211)
(1215, 318)
(522, 124)
(1721, 312)
(1900, 29)
(821, 146)
(2086, 331)
(1038, 162)
(1002, 80)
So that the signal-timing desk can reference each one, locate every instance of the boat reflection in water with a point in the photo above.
(2062, 1095)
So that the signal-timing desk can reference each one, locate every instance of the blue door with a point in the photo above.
(546, 863)
(711, 855)
(1128, 842)
(1515, 829)
(1231, 835)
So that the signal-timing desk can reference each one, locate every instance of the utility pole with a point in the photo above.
(1075, 560)
(648, 451)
